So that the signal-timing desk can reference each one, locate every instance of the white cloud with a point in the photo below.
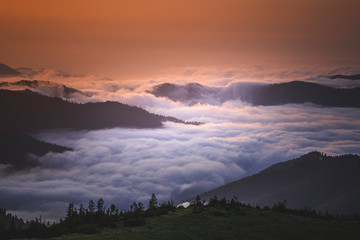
(177, 161)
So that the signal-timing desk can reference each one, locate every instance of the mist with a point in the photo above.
(176, 161)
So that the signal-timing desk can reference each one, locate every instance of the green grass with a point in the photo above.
(248, 223)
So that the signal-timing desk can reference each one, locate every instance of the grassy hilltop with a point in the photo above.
(232, 222)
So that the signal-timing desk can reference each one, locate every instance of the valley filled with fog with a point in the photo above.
(175, 161)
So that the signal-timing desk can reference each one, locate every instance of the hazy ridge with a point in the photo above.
(261, 94)
(326, 183)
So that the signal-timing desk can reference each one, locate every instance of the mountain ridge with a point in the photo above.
(294, 92)
(348, 77)
(19, 151)
(27, 111)
(6, 71)
(326, 183)
(47, 88)
(302, 92)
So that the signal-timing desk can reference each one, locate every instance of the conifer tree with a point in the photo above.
(153, 202)
(70, 211)
(91, 207)
(100, 206)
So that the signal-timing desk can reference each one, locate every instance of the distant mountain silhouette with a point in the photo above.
(193, 93)
(261, 94)
(313, 180)
(349, 77)
(302, 92)
(26, 111)
(6, 71)
(21, 151)
(190, 93)
(47, 88)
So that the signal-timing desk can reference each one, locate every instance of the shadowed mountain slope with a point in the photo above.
(6, 71)
(21, 151)
(193, 93)
(26, 111)
(261, 94)
(313, 180)
(348, 77)
(302, 92)
(190, 93)
(46, 88)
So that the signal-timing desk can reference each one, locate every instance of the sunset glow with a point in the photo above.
(137, 38)
(223, 90)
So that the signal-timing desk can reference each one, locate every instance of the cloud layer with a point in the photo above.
(177, 161)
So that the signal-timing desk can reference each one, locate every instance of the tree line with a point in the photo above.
(96, 216)
(88, 220)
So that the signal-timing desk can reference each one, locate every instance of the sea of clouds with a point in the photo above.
(177, 161)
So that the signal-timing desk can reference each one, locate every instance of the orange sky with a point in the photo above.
(138, 37)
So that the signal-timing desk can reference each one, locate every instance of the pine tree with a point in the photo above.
(70, 211)
(81, 210)
(153, 202)
(91, 207)
(100, 206)
(113, 210)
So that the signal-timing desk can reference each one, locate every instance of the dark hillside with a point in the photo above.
(26, 111)
(221, 221)
(313, 180)
(15, 150)
(267, 95)
(348, 77)
(6, 71)
(47, 88)
(302, 92)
